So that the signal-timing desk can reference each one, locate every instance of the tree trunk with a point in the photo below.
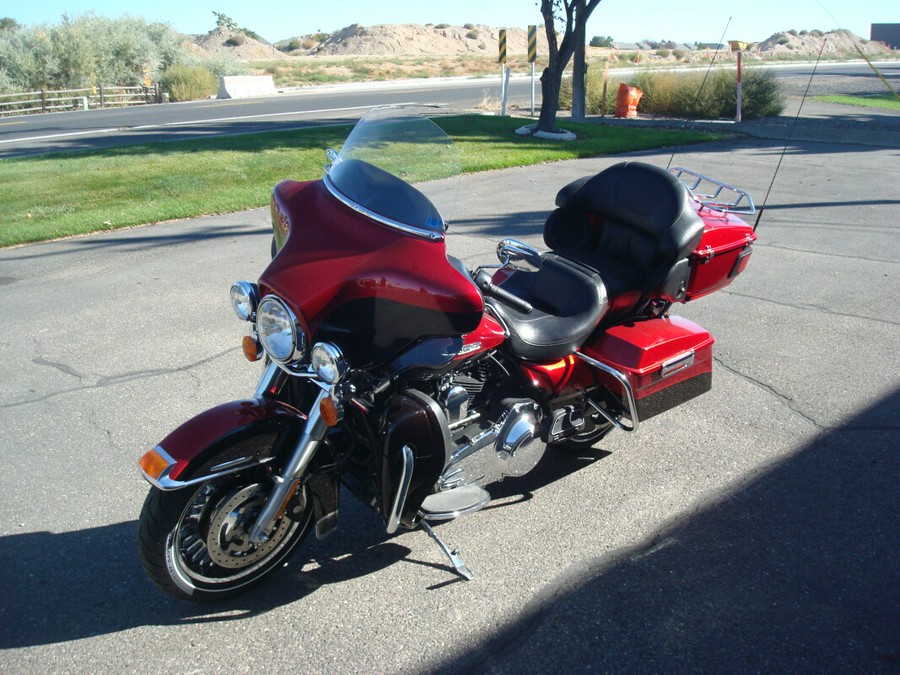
(549, 100)
(579, 74)
(577, 13)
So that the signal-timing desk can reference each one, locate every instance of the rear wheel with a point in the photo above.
(194, 543)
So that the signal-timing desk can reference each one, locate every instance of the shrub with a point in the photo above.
(87, 50)
(224, 64)
(783, 40)
(594, 94)
(762, 94)
(679, 53)
(793, 32)
(188, 83)
(816, 33)
(469, 26)
(664, 52)
(670, 94)
(236, 40)
(442, 25)
(472, 35)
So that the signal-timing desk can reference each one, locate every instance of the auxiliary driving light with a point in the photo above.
(244, 300)
(328, 362)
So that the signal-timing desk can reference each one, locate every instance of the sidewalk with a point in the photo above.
(818, 122)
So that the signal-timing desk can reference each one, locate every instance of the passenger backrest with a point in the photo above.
(633, 213)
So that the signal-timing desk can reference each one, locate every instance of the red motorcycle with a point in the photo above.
(392, 369)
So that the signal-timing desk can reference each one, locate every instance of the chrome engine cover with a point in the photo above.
(512, 446)
(519, 448)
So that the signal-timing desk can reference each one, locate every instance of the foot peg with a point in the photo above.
(451, 504)
(461, 568)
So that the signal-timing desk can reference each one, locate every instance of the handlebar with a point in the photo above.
(489, 288)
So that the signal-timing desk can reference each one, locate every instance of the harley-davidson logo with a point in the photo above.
(469, 348)
(283, 224)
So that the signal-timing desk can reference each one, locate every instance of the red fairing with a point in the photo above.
(489, 335)
(723, 252)
(340, 270)
(191, 441)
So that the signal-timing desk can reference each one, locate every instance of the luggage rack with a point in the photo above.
(713, 193)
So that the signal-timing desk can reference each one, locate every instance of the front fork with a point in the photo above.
(286, 480)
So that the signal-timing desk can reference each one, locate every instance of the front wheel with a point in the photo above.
(194, 543)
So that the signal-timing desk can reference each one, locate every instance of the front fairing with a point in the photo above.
(364, 272)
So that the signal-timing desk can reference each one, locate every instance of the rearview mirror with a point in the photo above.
(519, 256)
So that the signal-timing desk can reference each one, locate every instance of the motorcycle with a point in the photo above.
(392, 369)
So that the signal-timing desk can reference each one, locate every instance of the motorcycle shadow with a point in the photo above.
(556, 464)
(73, 585)
(60, 587)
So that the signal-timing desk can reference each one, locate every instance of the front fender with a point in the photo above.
(222, 440)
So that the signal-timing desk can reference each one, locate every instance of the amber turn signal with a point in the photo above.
(331, 410)
(153, 464)
(251, 348)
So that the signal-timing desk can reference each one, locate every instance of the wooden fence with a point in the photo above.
(45, 100)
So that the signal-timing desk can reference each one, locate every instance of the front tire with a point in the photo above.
(193, 543)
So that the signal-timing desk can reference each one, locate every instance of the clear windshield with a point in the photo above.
(388, 150)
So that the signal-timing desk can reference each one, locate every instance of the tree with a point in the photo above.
(600, 41)
(8, 23)
(225, 22)
(574, 14)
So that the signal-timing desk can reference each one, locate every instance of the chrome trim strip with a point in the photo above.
(677, 364)
(626, 386)
(167, 484)
(393, 522)
(229, 464)
(406, 229)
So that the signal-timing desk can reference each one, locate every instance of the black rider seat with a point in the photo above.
(568, 302)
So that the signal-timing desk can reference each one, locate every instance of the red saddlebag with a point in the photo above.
(667, 361)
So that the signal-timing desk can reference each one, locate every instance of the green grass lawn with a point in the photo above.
(60, 195)
(886, 101)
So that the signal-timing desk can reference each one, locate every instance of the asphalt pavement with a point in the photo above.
(755, 528)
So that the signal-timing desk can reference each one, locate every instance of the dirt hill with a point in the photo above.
(836, 42)
(414, 40)
(238, 45)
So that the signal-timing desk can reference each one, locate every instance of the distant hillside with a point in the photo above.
(445, 40)
(809, 43)
(415, 40)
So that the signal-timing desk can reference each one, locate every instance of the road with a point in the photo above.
(91, 129)
(753, 529)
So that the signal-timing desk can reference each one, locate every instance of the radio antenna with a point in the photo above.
(684, 126)
(789, 136)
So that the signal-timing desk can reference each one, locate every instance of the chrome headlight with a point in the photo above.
(244, 300)
(328, 362)
(279, 331)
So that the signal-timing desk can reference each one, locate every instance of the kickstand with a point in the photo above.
(461, 568)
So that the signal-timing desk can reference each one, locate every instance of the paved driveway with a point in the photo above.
(755, 528)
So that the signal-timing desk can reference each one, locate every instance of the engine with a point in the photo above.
(496, 431)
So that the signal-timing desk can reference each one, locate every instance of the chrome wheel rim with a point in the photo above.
(210, 545)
